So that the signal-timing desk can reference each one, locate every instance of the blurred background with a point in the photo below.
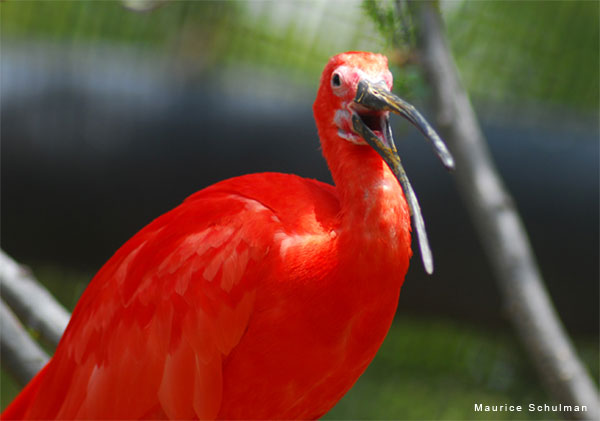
(112, 115)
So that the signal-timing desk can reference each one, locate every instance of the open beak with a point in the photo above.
(376, 97)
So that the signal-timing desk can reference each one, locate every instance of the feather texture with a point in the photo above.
(262, 296)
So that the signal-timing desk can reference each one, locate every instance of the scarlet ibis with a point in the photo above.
(262, 296)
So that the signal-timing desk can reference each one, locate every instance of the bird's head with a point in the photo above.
(339, 90)
(354, 103)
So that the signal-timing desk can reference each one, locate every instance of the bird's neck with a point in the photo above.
(371, 199)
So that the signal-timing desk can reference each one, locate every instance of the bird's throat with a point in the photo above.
(371, 199)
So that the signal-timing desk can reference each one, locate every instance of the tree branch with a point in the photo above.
(30, 301)
(22, 357)
(499, 225)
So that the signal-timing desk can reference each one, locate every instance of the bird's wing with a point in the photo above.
(150, 332)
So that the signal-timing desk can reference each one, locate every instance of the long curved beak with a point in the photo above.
(376, 97)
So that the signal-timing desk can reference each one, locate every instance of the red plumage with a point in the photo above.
(262, 296)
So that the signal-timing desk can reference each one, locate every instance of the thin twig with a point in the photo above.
(31, 302)
(22, 357)
(500, 227)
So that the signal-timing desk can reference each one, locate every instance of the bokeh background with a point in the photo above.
(112, 115)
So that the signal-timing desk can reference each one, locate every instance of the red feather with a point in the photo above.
(263, 296)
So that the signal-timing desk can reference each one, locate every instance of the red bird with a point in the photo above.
(262, 296)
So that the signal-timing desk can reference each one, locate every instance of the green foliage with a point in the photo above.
(280, 40)
(389, 24)
(438, 370)
(507, 52)
(528, 51)
(396, 29)
(107, 21)
(514, 52)
(8, 389)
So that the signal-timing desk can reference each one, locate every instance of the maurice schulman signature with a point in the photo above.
(532, 407)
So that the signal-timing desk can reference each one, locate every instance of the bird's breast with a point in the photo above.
(319, 319)
(326, 295)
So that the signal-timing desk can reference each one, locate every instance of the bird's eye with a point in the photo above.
(336, 81)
